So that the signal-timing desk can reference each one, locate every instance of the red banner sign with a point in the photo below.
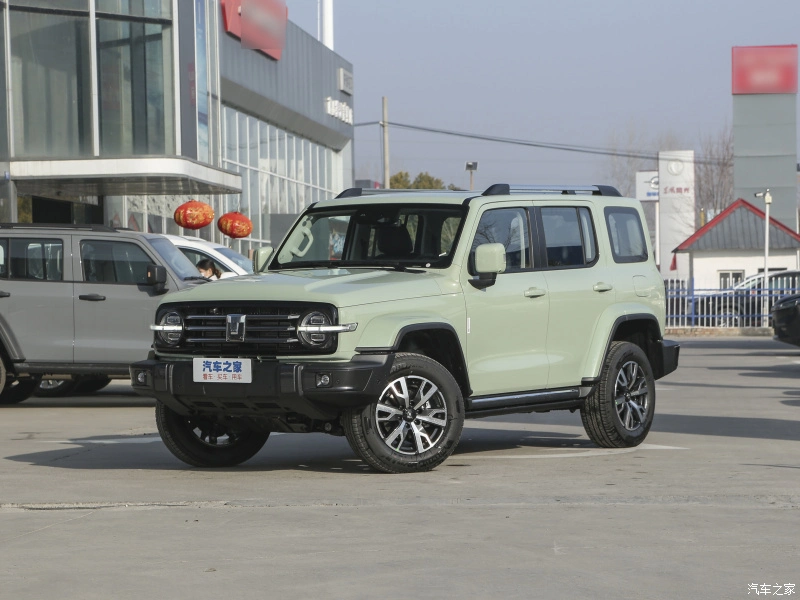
(260, 24)
(765, 69)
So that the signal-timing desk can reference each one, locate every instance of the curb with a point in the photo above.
(720, 331)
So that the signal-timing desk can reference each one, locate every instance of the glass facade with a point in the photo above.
(51, 84)
(135, 88)
(53, 46)
(282, 173)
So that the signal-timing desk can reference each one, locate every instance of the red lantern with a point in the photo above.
(193, 214)
(235, 225)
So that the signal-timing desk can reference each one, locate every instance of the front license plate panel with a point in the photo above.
(222, 370)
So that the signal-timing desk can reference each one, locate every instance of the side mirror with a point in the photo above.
(490, 259)
(157, 277)
(261, 258)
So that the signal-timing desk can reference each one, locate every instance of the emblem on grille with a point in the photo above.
(234, 328)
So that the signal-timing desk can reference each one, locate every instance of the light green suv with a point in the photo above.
(391, 317)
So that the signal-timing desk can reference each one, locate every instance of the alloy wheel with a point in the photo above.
(411, 415)
(631, 396)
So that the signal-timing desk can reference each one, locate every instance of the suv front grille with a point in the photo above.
(270, 329)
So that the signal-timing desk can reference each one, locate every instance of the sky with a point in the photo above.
(578, 72)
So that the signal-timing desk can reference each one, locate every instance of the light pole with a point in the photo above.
(472, 166)
(765, 288)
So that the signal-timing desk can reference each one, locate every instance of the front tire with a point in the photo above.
(206, 442)
(415, 423)
(619, 412)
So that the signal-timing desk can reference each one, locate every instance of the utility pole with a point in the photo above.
(385, 130)
(765, 288)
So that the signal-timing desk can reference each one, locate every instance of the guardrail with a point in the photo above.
(730, 308)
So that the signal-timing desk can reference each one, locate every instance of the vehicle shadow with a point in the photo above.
(291, 452)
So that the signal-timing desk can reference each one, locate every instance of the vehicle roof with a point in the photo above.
(495, 193)
(189, 240)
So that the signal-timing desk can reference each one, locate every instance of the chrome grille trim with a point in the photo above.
(271, 328)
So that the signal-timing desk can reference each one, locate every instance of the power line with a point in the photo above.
(536, 144)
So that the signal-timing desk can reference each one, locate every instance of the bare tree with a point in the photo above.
(714, 173)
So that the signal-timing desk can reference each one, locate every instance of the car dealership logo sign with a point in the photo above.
(260, 24)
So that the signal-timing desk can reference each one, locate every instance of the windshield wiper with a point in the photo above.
(196, 278)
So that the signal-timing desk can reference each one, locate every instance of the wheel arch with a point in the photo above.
(641, 329)
(438, 341)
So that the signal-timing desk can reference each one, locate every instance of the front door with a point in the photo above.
(113, 305)
(507, 321)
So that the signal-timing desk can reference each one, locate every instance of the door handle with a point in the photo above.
(602, 287)
(92, 297)
(534, 292)
(4, 294)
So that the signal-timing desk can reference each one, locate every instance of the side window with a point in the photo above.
(626, 235)
(507, 226)
(113, 262)
(569, 237)
(37, 259)
(196, 256)
(3, 259)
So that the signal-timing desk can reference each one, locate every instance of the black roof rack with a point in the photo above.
(504, 189)
(354, 192)
(88, 227)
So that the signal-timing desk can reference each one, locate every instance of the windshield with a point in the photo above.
(388, 235)
(239, 259)
(181, 265)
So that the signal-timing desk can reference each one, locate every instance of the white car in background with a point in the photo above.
(230, 262)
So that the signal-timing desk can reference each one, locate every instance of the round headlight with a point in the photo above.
(171, 328)
(311, 329)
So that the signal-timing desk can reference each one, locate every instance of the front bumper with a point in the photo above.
(277, 388)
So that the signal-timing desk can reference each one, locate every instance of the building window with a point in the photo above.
(135, 87)
(728, 279)
(51, 82)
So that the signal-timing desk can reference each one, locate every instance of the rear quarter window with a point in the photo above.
(626, 234)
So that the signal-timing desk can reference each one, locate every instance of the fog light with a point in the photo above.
(323, 380)
(141, 377)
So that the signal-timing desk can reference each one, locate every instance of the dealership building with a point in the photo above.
(116, 112)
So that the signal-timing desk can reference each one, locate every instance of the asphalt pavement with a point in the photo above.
(93, 506)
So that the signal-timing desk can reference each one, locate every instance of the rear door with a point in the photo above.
(579, 282)
(36, 296)
(113, 304)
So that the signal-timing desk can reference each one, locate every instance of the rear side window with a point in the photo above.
(35, 259)
(569, 237)
(626, 235)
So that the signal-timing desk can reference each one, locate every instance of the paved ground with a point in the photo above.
(93, 506)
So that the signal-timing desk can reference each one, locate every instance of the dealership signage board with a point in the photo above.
(676, 197)
(260, 24)
(764, 69)
(647, 186)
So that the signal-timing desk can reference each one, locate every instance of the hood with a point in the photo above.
(340, 287)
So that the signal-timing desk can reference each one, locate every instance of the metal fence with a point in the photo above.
(731, 308)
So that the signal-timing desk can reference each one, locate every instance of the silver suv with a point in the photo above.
(75, 302)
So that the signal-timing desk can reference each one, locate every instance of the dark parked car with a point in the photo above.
(786, 319)
(744, 304)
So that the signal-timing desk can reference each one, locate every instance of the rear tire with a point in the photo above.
(206, 442)
(416, 422)
(18, 390)
(619, 411)
(55, 388)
